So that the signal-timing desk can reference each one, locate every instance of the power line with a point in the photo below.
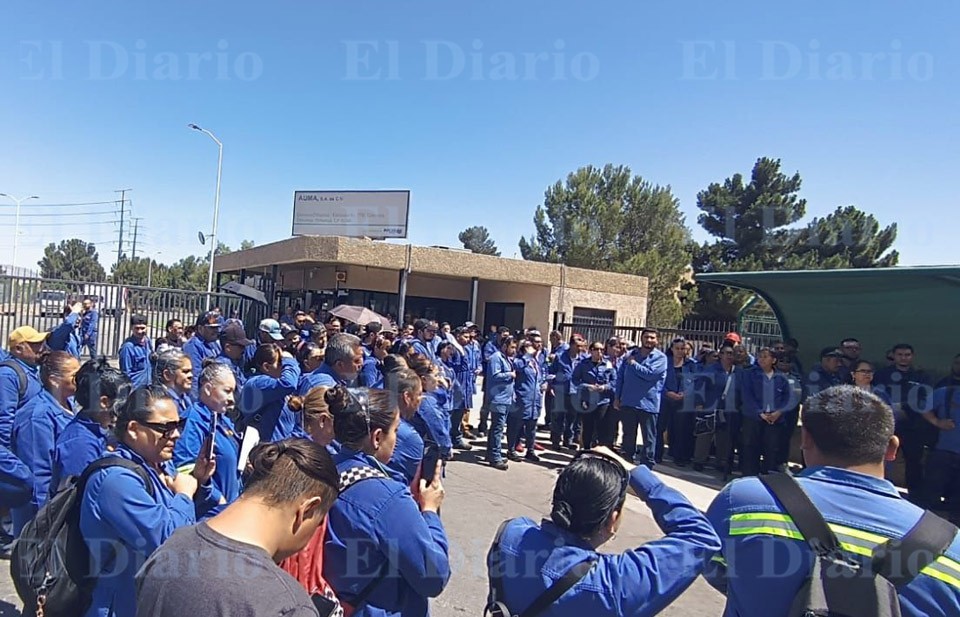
(99, 213)
(86, 203)
(78, 224)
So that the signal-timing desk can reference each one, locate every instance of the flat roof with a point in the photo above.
(300, 251)
(879, 306)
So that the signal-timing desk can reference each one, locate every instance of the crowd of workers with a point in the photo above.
(321, 446)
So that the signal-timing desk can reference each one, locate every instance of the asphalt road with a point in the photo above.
(479, 498)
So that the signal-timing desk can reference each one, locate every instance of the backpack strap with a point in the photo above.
(14, 366)
(900, 561)
(551, 594)
(116, 461)
(805, 515)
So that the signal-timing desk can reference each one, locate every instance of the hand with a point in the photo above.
(206, 464)
(286, 354)
(946, 424)
(628, 466)
(674, 396)
(183, 484)
(513, 374)
(76, 307)
(431, 495)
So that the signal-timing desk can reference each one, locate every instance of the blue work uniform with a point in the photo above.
(374, 521)
(562, 369)
(89, 325)
(183, 401)
(10, 400)
(642, 581)
(82, 441)
(765, 560)
(426, 348)
(198, 350)
(66, 336)
(472, 356)
(135, 361)
(226, 479)
(116, 512)
(523, 416)
(235, 368)
(594, 374)
(639, 388)
(16, 481)
(36, 429)
(762, 394)
(432, 423)
(265, 396)
(407, 454)
(370, 375)
(323, 375)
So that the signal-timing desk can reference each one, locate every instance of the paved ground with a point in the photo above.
(480, 498)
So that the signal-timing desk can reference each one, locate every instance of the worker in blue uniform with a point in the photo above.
(233, 345)
(204, 344)
(393, 563)
(89, 326)
(564, 417)
(209, 413)
(431, 420)
(371, 375)
(490, 347)
(767, 396)
(66, 336)
(462, 373)
(717, 401)
(404, 464)
(39, 424)
(135, 353)
(426, 341)
(523, 416)
(342, 362)
(527, 558)
(676, 416)
(640, 382)
(594, 381)
(501, 396)
(19, 376)
(101, 391)
(262, 397)
(174, 371)
(121, 520)
(846, 435)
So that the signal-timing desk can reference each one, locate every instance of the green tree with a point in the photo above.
(845, 238)
(608, 219)
(477, 240)
(73, 259)
(246, 245)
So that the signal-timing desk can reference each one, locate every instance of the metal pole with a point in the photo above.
(16, 229)
(216, 217)
(150, 273)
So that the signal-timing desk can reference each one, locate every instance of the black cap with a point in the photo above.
(233, 334)
(830, 352)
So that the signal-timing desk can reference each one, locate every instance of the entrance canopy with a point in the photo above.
(881, 307)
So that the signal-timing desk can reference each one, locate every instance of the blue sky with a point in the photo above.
(364, 95)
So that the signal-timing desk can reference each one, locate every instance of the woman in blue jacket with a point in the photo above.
(382, 547)
(38, 425)
(587, 511)
(431, 420)
(501, 397)
(594, 380)
(262, 399)
(121, 522)
(101, 391)
(522, 419)
(766, 397)
(217, 388)
(174, 371)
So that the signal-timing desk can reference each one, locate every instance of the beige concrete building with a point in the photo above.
(434, 282)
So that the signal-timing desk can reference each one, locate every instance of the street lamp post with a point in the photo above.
(16, 229)
(216, 209)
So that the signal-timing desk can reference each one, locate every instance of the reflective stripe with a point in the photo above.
(719, 559)
(852, 540)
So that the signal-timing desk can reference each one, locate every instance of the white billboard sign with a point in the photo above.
(358, 214)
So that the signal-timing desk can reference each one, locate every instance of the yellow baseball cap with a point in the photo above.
(25, 334)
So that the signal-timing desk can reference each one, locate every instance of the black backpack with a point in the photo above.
(50, 564)
(840, 586)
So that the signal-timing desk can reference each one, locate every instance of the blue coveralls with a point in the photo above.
(374, 521)
(10, 401)
(198, 350)
(266, 396)
(461, 379)
(66, 336)
(564, 418)
(226, 479)
(235, 368)
(135, 361)
(642, 581)
(594, 406)
(487, 352)
(522, 419)
(117, 512)
(760, 394)
(407, 454)
(89, 324)
(16, 481)
(322, 376)
(81, 442)
(501, 398)
(677, 417)
(639, 387)
(433, 423)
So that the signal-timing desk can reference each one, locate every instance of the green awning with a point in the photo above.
(881, 307)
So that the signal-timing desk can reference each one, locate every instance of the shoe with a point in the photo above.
(468, 435)
(447, 457)
(463, 446)
(513, 456)
(520, 448)
(555, 445)
(571, 446)
(481, 434)
(538, 447)
(533, 458)
(501, 465)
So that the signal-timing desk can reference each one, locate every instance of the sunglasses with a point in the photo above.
(165, 428)
(624, 476)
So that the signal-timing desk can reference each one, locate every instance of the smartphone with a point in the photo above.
(428, 465)
(324, 605)
(213, 434)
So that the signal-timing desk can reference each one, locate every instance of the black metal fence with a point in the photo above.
(40, 303)
(754, 334)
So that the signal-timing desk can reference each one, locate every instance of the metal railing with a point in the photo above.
(40, 303)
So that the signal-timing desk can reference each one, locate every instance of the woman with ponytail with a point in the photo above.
(588, 502)
(403, 541)
(101, 391)
(276, 374)
(289, 487)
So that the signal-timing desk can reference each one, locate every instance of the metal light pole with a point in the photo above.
(216, 209)
(16, 230)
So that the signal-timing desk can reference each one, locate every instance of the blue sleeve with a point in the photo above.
(72, 460)
(437, 424)
(9, 401)
(659, 571)
(750, 405)
(421, 544)
(126, 359)
(16, 485)
(35, 447)
(497, 372)
(618, 390)
(187, 450)
(650, 368)
(578, 374)
(139, 519)
(60, 336)
(369, 374)
(263, 390)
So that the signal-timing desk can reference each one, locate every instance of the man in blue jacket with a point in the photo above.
(342, 362)
(66, 337)
(135, 353)
(639, 386)
(203, 345)
(426, 341)
(19, 376)
(233, 345)
(846, 437)
(564, 416)
(89, 325)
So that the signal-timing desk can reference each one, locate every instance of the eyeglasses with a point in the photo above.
(165, 428)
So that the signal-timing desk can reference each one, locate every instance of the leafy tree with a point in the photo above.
(73, 259)
(608, 219)
(246, 245)
(845, 238)
(477, 240)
